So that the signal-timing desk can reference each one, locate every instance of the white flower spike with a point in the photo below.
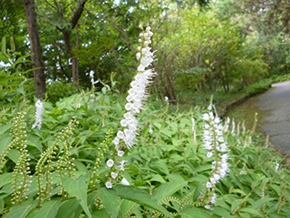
(38, 114)
(137, 92)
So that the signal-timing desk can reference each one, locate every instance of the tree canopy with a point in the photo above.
(202, 45)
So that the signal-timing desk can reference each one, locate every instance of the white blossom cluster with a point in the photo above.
(93, 82)
(137, 94)
(38, 114)
(216, 146)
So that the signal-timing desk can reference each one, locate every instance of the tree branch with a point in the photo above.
(77, 14)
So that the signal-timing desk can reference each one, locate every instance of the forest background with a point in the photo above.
(223, 47)
(79, 58)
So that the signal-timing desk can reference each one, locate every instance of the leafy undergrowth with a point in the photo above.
(61, 171)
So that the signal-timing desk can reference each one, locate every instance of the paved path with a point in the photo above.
(276, 104)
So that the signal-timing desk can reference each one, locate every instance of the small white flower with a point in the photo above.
(114, 175)
(166, 98)
(277, 167)
(150, 130)
(116, 141)
(120, 153)
(121, 167)
(213, 198)
(91, 73)
(209, 154)
(110, 163)
(109, 184)
(125, 182)
(207, 207)
(209, 185)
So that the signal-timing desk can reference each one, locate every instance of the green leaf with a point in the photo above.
(48, 210)
(221, 212)
(4, 128)
(14, 155)
(2, 205)
(251, 211)
(100, 213)
(21, 210)
(5, 140)
(239, 191)
(78, 188)
(236, 203)
(259, 203)
(168, 189)
(110, 201)
(276, 188)
(197, 192)
(34, 141)
(5, 179)
(3, 45)
(4, 58)
(21, 60)
(194, 212)
(68, 209)
(141, 197)
(160, 166)
(127, 206)
(157, 178)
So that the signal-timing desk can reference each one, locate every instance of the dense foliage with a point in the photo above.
(60, 170)
(64, 158)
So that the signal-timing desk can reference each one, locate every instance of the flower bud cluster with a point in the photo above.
(21, 178)
(38, 114)
(216, 147)
(46, 165)
(137, 95)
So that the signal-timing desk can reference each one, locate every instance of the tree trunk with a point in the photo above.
(35, 47)
(66, 35)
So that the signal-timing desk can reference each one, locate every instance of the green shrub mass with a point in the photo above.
(60, 170)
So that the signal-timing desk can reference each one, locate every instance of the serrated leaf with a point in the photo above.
(110, 200)
(21, 210)
(78, 188)
(141, 197)
(48, 210)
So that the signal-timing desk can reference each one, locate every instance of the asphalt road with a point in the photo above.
(276, 104)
